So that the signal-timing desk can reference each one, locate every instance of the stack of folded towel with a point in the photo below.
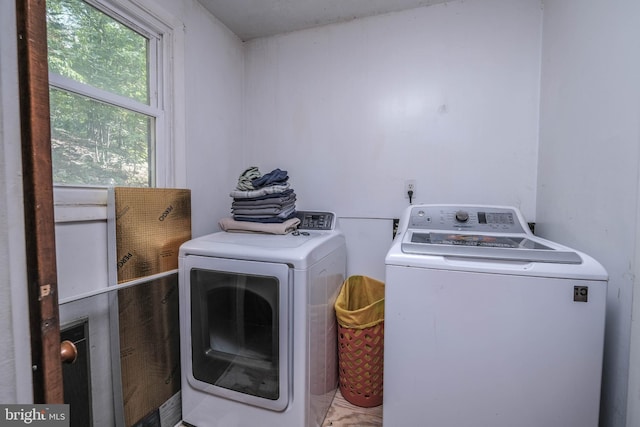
(264, 199)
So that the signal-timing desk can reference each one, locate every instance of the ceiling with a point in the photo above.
(250, 19)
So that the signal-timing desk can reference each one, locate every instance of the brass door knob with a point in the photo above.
(68, 352)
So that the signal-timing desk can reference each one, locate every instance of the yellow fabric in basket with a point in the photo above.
(360, 303)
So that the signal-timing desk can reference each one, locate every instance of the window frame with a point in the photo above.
(74, 203)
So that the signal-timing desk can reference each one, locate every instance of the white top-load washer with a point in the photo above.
(487, 325)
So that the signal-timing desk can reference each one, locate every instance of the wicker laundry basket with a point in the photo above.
(360, 314)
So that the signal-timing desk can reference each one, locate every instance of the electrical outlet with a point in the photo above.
(409, 185)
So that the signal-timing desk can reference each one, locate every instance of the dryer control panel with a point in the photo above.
(311, 220)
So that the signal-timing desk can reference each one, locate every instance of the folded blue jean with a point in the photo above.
(276, 176)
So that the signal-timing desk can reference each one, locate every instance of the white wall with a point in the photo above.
(588, 161)
(214, 67)
(446, 95)
(15, 350)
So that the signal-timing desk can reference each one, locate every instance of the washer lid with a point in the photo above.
(499, 247)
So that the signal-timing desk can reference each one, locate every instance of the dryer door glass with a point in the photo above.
(239, 333)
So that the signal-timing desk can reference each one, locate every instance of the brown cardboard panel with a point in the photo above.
(149, 346)
(151, 224)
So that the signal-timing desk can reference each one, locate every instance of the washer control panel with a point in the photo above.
(467, 218)
(312, 220)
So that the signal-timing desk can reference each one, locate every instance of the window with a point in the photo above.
(108, 118)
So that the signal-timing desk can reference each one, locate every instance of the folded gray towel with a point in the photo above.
(272, 189)
(233, 226)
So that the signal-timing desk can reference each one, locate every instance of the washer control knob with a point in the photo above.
(462, 216)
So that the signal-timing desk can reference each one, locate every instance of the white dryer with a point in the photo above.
(258, 327)
(487, 325)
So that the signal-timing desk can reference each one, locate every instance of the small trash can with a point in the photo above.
(360, 314)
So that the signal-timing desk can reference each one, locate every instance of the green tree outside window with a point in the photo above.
(101, 133)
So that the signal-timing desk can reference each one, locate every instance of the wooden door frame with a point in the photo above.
(35, 129)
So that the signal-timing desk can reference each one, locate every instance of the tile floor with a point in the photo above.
(344, 414)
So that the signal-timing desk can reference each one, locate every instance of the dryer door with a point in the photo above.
(239, 315)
